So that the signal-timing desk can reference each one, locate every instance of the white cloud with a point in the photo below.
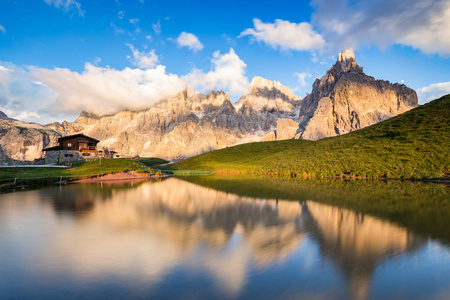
(228, 74)
(48, 95)
(189, 40)
(2, 29)
(66, 5)
(157, 27)
(105, 90)
(121, 14)
(421, 24)
(21, 96)
(285, 35)
(433, 91)
(148, 37)
(142, 59)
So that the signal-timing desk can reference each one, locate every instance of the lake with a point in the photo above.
(218, 237)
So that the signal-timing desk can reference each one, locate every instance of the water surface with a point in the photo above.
(227, 238)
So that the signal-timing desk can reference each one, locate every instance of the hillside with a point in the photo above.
(415, 144)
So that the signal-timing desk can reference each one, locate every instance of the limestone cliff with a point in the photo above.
(22, 141)
(346, 99)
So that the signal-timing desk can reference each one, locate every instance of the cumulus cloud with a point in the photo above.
(228, 74)
(421, 24)
(2, 29)
(66, 5)
(46, 95)
(189, 40)
(142, 59)
(105, 90)
(433, 91)
(21, 94)
(285, 35)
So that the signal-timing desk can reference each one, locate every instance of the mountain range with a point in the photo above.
(343, 100)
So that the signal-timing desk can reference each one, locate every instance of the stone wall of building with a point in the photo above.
(51, 157)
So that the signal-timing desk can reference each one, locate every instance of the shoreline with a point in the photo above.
(132, 175)
(129, 175)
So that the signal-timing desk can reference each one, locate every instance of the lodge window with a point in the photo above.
(68, 155)
(86, 154)
(69, 144)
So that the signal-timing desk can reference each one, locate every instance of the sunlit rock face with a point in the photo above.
(22, 141)
(346, 99)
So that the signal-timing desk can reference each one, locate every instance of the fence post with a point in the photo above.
(15, 180)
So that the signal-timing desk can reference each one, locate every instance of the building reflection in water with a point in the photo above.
(154, 227)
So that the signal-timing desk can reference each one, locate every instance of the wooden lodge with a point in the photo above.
(74, 147)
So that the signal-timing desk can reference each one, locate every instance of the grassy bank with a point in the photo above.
(414, 145)
(45, 175)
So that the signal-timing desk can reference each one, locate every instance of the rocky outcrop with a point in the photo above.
(22, 141)
(346, 99)
(286, 129)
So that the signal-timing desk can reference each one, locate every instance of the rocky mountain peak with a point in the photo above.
(217, 98)
(273, 89)
(346, 54)
(87, 118)
(346, 99)
(346, 62)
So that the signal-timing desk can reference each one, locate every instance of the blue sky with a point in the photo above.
(58, 57)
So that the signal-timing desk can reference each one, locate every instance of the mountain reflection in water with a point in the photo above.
(147, 234)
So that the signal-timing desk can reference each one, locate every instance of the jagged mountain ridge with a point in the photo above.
(191, 123)
(343, 100)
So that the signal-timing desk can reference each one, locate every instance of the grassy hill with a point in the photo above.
(415, 144)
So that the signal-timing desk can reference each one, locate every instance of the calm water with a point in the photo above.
(227, 238)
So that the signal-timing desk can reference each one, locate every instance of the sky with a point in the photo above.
(59, 57)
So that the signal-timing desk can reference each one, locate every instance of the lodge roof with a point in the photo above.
(77, 135)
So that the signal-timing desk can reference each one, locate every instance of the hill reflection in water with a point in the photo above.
(177, 238)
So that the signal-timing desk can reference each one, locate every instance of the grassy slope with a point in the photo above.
(153, 161)
(415, 144)
(87, 169)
